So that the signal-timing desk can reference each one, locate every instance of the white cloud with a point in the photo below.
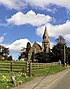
(44, 3)
(29, 18)
(13, 4)
(67, 37)
(53, 31)
(1, 39)
(18, 45)
(21, 43)
(19, 4)
(52, 10)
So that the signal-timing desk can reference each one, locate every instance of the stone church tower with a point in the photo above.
(46, 42)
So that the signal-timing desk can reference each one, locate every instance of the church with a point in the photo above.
(36, 48)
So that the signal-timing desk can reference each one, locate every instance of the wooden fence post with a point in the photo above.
(11, 66)
(30, 73)
(27, 68)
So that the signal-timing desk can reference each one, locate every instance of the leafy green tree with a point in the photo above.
(58, 49)
(4, 52)
(42, 57)
(68, 55)
(61, 40)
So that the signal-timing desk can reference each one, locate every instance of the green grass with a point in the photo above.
(6, 81)
(47, 71)
(5, 76)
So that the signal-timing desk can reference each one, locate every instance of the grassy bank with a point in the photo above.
(47, 71)
(6, 81)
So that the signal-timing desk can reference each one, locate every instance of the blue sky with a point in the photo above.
(25, 20)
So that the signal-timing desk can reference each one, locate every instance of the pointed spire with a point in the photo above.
(45, 30)
(45, 35)
(46, 40)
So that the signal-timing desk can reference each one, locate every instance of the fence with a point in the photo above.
(38, 66)
(17, 66)
(12, 66)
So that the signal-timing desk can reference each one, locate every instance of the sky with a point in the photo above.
(23, 21)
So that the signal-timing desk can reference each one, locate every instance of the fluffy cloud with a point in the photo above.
(54, 31)
(21, 43)
(44, 3)
(18, 4)
(67, 37)
(18, 45)
(29, 18)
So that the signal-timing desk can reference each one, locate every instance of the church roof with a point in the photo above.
(37, 45)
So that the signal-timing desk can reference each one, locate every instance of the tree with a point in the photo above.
(60, 39)
(58, 49)
(4, 52)
(42, 57)
(68, 55)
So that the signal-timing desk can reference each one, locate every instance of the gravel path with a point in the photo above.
(44, 82)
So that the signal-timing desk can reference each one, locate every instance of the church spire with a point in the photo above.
(45, 35)
(45, 30)
(46, 42)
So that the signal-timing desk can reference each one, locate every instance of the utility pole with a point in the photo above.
(64, 55)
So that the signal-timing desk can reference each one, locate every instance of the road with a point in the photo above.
(60, 80)
(63, 83)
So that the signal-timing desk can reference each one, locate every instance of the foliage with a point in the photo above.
(45, 57)
(6, 81)
(42, 57)
(4, 53)
(68, 55)
(60, 39)
(58, 49)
